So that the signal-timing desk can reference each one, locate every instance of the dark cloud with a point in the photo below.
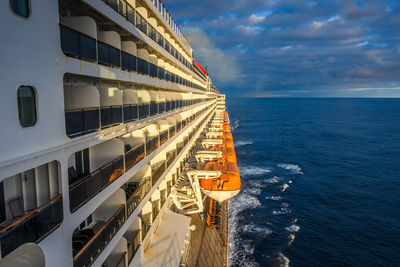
(296, 47)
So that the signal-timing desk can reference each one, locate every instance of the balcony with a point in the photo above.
(81, 121)
(77, 44)
(110, 115)
(99, 238)
(133, 156)
(133, 246)
(33, 226)
(151, 144)
(105, 164)
(135, 192)
(157, 171)
(146, 224)
(170, 157)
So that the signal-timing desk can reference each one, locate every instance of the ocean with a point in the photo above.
(320, 182)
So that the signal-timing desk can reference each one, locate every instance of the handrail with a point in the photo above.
(136, 147)
(14, 223)
(110, 106)
(98, 169)
(84, 108)
(98, 233)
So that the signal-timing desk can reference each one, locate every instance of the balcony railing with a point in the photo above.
(33, 226)
(163, 137)
(78, 45)
(161, 107)
(171, 131)
(110, 115)
(133, 246)
(152, 70)
(87, 187)
(179, 147)
(133, 156)
(155, 209)
(144, 110)
(151, 144)
(108, 55)
(101, 238)
(153, 108)
(128, 62)
(81, 121)
(143, 66)
(157, 170)
(170, 157)
(131, 112)
(146, 224)
(137, 196)
(163, 198)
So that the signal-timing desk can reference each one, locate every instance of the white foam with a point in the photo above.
(243, 143)
(281, 211)
(276, 198)
(293, 228)
(253, 170)
(254, 190)
(252, 228)
(291, 238)
(284, 187)
(243, 201)
(273, 180)
(235, 125)
(283, 260)
(293, 168)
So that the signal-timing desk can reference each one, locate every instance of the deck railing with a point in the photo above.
(33, 226)
(131, 112)
(111, 115)
(88, 186)
(133, 156)
(80, 121)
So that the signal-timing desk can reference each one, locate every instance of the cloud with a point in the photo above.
(287, 46)
(221, 65)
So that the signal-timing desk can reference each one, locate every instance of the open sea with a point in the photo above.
(320, 182)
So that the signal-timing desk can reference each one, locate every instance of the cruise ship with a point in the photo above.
(116, 147)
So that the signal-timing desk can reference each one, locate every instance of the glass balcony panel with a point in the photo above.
(133, 156)
(87, 187)
(130, 13)
(137, 196)
(163, 137)
(161, 107)
(110, 115)
(70, 41)
(131, 112)
(153, 70)
(143, 66)
(133, 246)
(151, 145)
(171, 131)
(167, 106)
(157, 170)
(81, 121)
(170, 157)
(153, 108)
(144, 111)
(32, 227)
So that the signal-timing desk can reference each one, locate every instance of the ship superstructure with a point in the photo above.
(103, 109)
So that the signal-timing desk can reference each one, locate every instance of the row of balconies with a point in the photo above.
(35, 202)
(110, 159)
(89, 242)
(81, 39)
(129, 13)
(89, 108)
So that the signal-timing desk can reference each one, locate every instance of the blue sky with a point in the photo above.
(296, 48)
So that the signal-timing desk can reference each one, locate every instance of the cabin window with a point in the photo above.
(27, 106)
(21, 7)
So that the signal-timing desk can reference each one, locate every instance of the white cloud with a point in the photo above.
(256, 19)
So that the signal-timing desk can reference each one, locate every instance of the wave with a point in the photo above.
(253, 170)
(252, 228)
(293, 228)
(235, 125)
(240, 249)
(281, 211)
(293, 168)
(276, 198)
(243, 143)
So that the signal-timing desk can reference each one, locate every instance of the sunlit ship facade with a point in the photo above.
(103, 106)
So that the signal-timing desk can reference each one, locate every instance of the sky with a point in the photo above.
(295, 48)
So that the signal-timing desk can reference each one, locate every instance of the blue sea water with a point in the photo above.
(320, 182)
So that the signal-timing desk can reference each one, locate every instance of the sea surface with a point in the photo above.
(320, 182)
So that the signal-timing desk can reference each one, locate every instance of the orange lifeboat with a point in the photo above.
(224, 187)
(228, 152)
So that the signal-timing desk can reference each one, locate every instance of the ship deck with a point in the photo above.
(208, 244)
